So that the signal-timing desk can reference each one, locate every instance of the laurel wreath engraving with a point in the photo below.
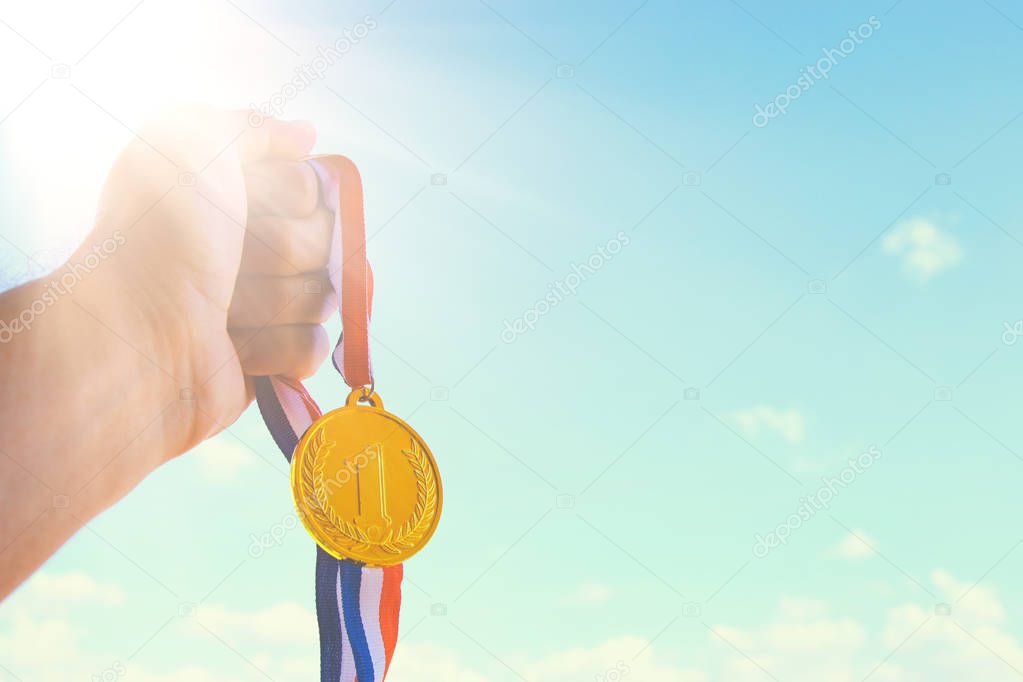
(349, 535)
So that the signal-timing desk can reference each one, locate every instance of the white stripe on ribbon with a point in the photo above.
(369, 608)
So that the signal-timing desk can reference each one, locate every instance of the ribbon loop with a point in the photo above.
(341, 186)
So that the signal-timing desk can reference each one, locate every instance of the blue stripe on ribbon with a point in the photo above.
(273, 414)
(327, 616)
(351, 585)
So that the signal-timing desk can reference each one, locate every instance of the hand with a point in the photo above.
(222, 269)
(206, 266)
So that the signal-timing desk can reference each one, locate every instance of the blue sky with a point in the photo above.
(791, 296)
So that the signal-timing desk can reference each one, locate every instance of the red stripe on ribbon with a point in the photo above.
(390, 607)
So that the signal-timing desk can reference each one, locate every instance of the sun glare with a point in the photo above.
(88, 73)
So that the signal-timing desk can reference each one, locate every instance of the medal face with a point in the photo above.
(365, 485)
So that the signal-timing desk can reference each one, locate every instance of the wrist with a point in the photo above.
(136, 337)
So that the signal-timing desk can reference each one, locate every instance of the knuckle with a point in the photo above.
(325, 307)
(312, 347)
(274, 236)
(286, 247)
(323, 220)
(318, 239)
(307, 195)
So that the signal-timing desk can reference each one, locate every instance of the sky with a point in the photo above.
(769, 433)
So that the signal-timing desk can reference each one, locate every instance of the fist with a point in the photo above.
(222, 271)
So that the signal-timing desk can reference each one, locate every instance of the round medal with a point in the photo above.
(365, 485)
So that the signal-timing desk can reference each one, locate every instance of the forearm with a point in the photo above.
(85, 413)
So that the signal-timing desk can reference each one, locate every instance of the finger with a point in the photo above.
(263, 137)
(250, 390)
(294, 351)
(285, 188)
(288, 246)
(298, 299)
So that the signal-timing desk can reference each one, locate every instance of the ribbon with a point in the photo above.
(339, 176)
(357, 606)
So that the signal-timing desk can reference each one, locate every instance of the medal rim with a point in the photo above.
(300, 499)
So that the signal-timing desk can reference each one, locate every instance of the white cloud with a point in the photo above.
(789, 424)
(622, 658)
(222, 458)
(428, 663)
(30, 640)
(588, 594)
(56, 612)
(855, 545)
(188, 673)
(914, 643)
(36, 623)
(925, 250)
(950, 647)
(282, 623)
(805, 640)
(74, 587)
(971, 598)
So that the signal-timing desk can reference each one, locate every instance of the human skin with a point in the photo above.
(210, 249)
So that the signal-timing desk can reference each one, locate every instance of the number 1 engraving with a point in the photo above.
(369, 489)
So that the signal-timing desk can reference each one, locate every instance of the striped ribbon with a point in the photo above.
(357, 606)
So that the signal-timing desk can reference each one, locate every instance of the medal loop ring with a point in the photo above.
(366, 394)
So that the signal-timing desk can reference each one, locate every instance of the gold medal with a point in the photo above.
(365, 485)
